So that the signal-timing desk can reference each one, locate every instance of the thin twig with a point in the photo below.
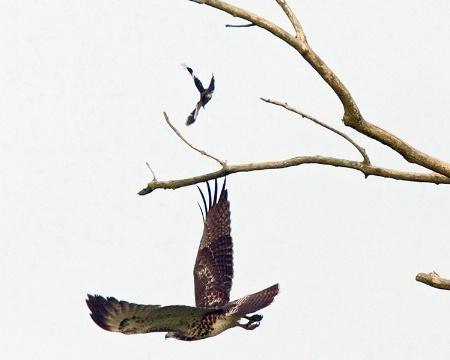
(154, 177)
(299, 34)
(239, 26)
(203, 152)
(361, 150)
(434, 280)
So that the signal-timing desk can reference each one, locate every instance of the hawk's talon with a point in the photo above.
(253, 322)
(251, 325)
(254, 318)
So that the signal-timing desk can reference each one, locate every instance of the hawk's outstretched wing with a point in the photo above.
(121, 316)
(213, 270)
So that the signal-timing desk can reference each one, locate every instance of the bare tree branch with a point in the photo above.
(361, 150)
(203, 152)
(296, 161)
(433, 280)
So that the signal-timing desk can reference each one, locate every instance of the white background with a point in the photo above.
(83, 85)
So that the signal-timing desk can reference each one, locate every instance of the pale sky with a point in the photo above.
(83, 86)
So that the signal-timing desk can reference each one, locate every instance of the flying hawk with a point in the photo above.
(213, 274)
(205, 95)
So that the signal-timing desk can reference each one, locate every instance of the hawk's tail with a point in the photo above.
(252, 303)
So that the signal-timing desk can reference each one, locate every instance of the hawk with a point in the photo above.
(205, 95)
(213, 275)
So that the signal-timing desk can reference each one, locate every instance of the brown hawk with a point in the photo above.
(213, 274)
(205, 95)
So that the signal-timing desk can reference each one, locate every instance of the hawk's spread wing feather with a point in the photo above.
(213, 270)
(127, 318)
(252, 303)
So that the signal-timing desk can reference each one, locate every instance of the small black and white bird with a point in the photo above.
(205, 95)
